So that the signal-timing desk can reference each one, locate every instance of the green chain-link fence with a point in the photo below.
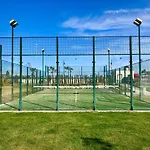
(74, 73)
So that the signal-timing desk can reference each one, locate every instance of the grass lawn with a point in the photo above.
(75, 131)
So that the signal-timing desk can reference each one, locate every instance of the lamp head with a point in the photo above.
(108, 49)
(43, 50)
(13, 23)
(137, 22)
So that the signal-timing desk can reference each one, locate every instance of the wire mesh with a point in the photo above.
(75, 73)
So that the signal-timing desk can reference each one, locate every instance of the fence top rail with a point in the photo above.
(70, 36)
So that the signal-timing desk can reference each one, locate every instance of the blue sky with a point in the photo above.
(74, 18)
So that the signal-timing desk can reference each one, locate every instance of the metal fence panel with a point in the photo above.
(74, 73)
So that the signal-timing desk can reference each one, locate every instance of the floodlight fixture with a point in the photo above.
(138, 21)
(13, 23)
(43, 50)
(108, 49)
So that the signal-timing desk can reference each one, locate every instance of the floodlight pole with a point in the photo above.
(138, 22)
(108, 65)
(1, 74)
(43, 64)
(63, 72)
(139, 37)
(13, 24)
(12, 63)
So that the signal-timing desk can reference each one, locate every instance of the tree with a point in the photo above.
(16, 78)
(85, 79)
(144, 71)
(53, 70)
(7, 74)
(69, 69)
(33, 70)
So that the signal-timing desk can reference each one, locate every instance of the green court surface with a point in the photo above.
(75, 99)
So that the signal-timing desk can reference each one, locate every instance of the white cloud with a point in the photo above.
(121, 19)
(98, 23)
(115, 11)
(145, 10)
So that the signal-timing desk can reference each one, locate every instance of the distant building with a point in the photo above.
(123, 75)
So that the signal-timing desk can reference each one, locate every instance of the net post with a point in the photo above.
(94, 79)
(125, 89)
(27, 92)
(131, 74)
(20, 89)
(57, 75)
(1, 84)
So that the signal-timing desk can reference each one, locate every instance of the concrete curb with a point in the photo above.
(72, 111)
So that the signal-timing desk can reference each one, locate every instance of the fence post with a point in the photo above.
(104, 76)
(47, 76)
(57, 75)
(1, 84)
(40, 80)
(113, 76)
(27, 81)
(45, 72)
(36, 80)
(20, 90)
(131, 74)
(94, 81)
(125, 89)
(32, 82)
(81, 71)
(119, 82)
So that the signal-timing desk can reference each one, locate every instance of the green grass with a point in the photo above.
(46, 100)
(74, 131)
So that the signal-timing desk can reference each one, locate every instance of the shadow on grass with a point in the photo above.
(39, 105)
(97, 143)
